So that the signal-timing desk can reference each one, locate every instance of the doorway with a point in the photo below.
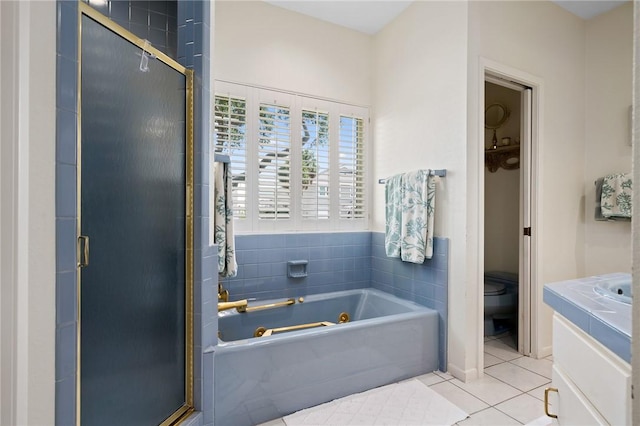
(508, 142)
(135, 230)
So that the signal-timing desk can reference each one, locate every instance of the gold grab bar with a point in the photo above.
(268, 306)
(238, 305)
(270, 331)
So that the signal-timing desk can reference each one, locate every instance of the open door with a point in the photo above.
(525, 305)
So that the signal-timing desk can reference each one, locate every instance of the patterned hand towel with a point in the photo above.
(223, 221)
(410, 207)
(393, 215)
(617, 191)
(418, 206)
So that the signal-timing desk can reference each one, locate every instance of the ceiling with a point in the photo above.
(370, 16)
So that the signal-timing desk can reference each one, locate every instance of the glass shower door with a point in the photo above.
(132, 211)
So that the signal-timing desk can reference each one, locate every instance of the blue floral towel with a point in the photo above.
(616, 199)
(410, 207)
(223, 221)
(393, 212)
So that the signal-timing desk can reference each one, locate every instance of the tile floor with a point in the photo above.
(510, 393)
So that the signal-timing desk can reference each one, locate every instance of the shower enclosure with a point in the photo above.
(135, 230)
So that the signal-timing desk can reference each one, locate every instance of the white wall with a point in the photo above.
(419, 94)
(609, 54)
(27, 213)
(502, 190)
(264, 45)
(547, 42)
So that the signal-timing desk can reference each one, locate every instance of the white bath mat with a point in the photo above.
(407, 403)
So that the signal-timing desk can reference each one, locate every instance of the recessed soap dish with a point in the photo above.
(297, 268)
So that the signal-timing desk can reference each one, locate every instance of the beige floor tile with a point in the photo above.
(501, 350)
(445, 376)
(511, 341)
(488, 389)
(516, 376)
(490, 360)
(543, 421)
(430, 379)
(489, 417)
(464, 400)
(538, 366)
(523, 408)
(539, 392)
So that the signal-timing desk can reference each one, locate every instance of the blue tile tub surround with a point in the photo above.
(337, 261)
(425, 284)
(258, 379)
(606, 320)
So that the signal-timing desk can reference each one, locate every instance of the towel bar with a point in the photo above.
(440, 172)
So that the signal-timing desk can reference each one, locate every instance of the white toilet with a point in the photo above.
(500, 301)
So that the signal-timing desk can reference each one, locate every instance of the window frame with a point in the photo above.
(296, 102)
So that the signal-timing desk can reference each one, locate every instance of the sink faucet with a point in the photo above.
(238, 305)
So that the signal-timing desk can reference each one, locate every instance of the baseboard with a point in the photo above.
(463, 375)
(544, 352)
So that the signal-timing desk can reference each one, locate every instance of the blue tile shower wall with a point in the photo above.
(194, 53)
(155, 21)
(337, 261)
(425, 284)
(66, 215)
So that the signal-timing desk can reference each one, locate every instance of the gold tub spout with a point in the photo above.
(239, 305)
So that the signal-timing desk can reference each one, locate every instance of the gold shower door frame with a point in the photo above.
(83, 9)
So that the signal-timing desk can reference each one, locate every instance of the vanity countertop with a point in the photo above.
(606, 320)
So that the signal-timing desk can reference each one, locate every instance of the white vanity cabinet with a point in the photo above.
(594, 384)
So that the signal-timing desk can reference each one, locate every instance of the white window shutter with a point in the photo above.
(315, 173)
(351, 165)
(274, 162)
(230, 135)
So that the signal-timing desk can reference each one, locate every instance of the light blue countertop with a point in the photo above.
(606, 320)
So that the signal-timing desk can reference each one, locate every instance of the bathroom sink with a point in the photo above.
(617, 289)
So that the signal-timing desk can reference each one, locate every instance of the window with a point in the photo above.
(298, 163)
(230, 124)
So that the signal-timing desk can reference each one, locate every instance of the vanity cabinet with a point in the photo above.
(593, 383)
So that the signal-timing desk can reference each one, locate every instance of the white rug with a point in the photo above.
(406, 403)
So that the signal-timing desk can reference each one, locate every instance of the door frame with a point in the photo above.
(508, 73)
(84, 9)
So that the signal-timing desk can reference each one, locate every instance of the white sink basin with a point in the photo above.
(618, 289)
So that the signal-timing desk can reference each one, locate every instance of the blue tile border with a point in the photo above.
(609, 336)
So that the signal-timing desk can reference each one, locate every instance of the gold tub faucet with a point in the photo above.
(238, 305)
(223, 295)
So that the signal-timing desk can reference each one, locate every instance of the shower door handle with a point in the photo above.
(83, 251)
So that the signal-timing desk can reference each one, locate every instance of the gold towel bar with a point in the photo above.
(270, 331)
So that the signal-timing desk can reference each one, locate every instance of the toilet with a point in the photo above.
(500, 302)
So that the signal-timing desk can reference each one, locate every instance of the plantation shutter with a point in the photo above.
(351, 163)
(230, 124)
(315, 172)
(274, 162)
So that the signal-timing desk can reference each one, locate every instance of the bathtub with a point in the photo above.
(257, 379)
